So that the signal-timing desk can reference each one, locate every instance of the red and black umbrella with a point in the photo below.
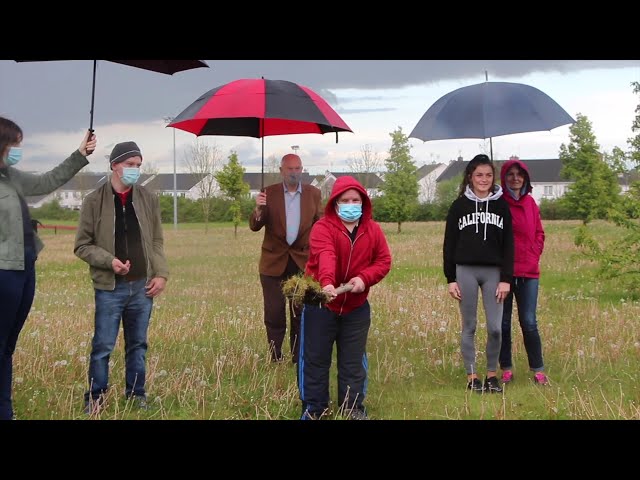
(259, 108)
(168, 67)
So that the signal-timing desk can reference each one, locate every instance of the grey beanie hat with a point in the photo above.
(124, 150)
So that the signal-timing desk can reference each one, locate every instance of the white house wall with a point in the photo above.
(427, 185)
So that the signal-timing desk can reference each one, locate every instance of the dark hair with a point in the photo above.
(480, 159)
(10, 134)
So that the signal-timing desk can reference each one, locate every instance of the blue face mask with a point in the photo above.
(130, 175)
(349, 212)
(15, 155)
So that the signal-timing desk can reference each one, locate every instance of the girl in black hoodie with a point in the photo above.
(478, 252)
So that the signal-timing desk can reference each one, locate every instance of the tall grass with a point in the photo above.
(208, 359)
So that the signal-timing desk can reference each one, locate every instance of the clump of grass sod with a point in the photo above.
(302, 289)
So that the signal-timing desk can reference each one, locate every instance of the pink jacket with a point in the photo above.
(528, 234)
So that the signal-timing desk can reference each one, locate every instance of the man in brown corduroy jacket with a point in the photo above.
(287, 211)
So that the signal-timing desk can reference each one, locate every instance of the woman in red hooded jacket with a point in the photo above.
(528, 238)
(346, 246)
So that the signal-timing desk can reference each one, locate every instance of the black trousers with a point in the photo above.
(275, 313)
(321, 328)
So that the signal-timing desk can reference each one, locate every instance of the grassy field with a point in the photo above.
(207, 355)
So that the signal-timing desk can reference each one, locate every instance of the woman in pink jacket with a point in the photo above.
(528, 237)
(346, 246)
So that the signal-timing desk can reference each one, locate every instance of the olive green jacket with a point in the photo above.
(14, 182)
(95, 238)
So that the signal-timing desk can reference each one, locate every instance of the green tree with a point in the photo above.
(400, 187)
(617, 160)
(234, 188)
(621, 258)
(595, 188)
(634, 142)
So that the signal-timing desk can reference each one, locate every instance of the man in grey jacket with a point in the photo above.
(120, 237)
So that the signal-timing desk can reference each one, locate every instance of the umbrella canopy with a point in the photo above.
(259, 108)
(168, 67)
(490, 109)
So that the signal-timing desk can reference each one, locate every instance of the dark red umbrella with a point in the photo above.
(259, 108)
(168, 67)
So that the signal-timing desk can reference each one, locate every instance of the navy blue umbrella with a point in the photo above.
(490, 109)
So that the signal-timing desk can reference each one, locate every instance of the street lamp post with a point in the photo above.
(295, 148)
(175, 182)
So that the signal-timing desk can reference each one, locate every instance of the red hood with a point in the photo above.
(342, 185)
(505, 168)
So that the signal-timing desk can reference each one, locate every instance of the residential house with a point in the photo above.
(427, 181)
(545, 174)
(71, 194)
(187, 185)
(37, 201)
(370, 181)
(256, 180)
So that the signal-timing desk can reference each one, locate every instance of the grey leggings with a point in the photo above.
(469, 278)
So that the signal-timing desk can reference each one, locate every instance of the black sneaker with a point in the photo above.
(492, 385)
(475, 385)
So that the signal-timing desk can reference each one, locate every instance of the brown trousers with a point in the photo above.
(275, 313)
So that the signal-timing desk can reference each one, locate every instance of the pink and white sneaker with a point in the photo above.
(507, 376)
(540, 378)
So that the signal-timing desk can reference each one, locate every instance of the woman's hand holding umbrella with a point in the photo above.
(88, 144)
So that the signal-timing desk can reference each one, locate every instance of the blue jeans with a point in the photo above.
(320, 329)
(17, 289)
(127, 302)
(525, 291)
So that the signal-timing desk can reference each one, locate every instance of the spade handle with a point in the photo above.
(344, 288)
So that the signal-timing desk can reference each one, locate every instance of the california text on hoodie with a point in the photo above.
(528, 233)
(478, 232)
(369, 255)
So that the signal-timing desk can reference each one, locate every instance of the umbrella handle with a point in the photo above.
(91, 131)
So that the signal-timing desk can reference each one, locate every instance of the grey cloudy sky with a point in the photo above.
(51, 100)
(55, 95)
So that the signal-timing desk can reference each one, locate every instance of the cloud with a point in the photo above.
(48, 95)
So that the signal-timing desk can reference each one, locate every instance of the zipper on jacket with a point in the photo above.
(346, 273)
(147, 258)
(124, 224)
